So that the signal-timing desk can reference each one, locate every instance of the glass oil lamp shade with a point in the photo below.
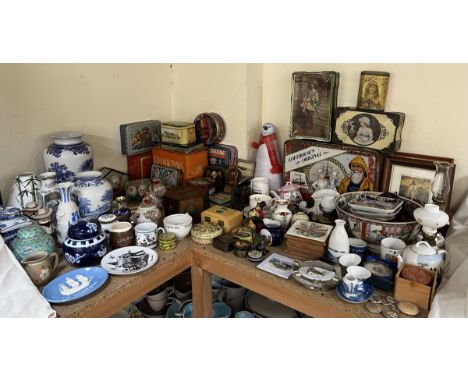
(441, 184)
(431, 218)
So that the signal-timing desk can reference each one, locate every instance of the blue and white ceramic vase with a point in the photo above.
(85, 244)
(68, 156)
(67, 211)
(24, 190)
(93, 194)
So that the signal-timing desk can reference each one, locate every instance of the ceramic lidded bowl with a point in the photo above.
(32, 239)
(204, 233)
(85, 244)
(179, 224)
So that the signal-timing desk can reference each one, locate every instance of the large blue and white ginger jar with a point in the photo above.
(68, 156)
(85, 244)
(93, 194)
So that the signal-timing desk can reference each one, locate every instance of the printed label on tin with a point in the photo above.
(307, 156)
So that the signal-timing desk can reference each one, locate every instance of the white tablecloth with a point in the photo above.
(451, 299)
(19, 297)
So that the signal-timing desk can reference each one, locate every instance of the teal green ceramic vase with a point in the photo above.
(31, 239)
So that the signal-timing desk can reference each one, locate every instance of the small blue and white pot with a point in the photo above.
(68, 156)
(93, 194)
(85, 245)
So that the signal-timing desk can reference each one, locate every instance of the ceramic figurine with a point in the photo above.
(147, 212)
(67, 211)
(268, 162)
(68, 156)
(32, 239)
(93, 193)
(24, 190)
(85, 244)
(338, 243)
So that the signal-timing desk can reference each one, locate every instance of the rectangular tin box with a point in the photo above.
(139, 166)
(139, 137)
(372, 130)
(179, 133)
(224, 216)
(222, 155)
(191, 165)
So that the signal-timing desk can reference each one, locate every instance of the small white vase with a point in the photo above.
(67, 211)
(338, 244)
(94, 194)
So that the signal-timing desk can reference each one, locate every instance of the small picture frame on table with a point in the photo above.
(246, 167)
(169, 177)
(410, 175)
(117, 179)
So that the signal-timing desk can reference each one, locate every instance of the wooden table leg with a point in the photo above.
(201, 290)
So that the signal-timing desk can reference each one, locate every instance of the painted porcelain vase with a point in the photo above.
(281, 212)
(68, 156)
(93, 194)
(24, 190)
(67, 211)
(32, 239)
(338, 244)
(85, 244)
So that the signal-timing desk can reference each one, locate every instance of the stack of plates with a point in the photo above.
(262, 306)
(376, 207)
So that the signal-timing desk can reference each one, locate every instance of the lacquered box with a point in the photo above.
(192, 165)
(373, 130)
(139, 166)
(179, 133)
(139, 137)
(186, 199)
(224, 216)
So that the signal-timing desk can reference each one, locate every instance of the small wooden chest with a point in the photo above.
(224, 216)
(186, 199)
(407, 290)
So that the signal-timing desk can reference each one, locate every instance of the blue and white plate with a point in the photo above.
(362, 297)
(74, 285)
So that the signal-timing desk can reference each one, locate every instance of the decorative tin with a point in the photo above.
(167, 241)
(379, 131)
(221, 199)
(192, 165)
(183, 149)
(373, 89)
(139, 137)
(210, 128)
(168, 176)
(339, 163)
(225, 217)
(186, 199)
(222, 155)
(313, 104)
(204, 233)
(179, 133)
(139, 166)
(218, 174)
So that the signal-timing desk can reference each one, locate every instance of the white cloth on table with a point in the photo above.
(451, 299)
(19, 297)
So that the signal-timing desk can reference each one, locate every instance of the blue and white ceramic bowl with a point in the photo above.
(85, 244)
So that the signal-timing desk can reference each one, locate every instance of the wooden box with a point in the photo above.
(139, 166)
(407, 290)
(307, 240)
(139, 137)
(378, 131)
(192, 165)
(186, 199)
(224, 216)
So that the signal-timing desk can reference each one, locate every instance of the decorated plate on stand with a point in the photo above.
(129, 260)
(74, 285)
(362, 297)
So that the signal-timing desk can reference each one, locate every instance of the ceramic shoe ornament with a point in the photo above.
(268, 162)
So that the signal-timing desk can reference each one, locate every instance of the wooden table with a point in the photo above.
(204, 261)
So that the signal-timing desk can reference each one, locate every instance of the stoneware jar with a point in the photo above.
(121, 235)
(94, 194)
(32, 239)
(85, 245)
(24, 190)
(67, 211)
(423, 255)
(68, 155)
(281, 212)
(338, 244)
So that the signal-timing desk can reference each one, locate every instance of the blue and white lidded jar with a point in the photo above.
(68, 156)
(93, 194)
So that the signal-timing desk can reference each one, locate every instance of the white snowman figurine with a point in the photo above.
(268, 162)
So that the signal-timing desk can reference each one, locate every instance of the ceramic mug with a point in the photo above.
(147, 234)
(40, 266)
(121, 235)
(158, 298)
(260, 185)
(257, 198)
(391, 249)
(353, 282)
(358, 246)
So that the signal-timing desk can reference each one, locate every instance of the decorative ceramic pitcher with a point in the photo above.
(281, 212)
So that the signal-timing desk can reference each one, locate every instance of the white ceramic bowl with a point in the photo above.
(179, 224)
(349, 259)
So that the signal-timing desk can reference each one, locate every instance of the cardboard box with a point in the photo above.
(407, 290)
(224, 216)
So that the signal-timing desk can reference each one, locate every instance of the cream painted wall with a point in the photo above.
(39, 99)
(434, 98)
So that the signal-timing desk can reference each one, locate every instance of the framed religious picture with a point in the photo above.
(313, 104)
(336, 167)
(411, 176)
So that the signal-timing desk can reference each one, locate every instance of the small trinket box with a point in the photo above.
(224, 216)
(167, 241)
(224, 242)
(179, 133)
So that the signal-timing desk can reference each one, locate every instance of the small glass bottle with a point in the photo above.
(441, 184)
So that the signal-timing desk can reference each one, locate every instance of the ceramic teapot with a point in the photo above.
(289, 192)
(423, 255)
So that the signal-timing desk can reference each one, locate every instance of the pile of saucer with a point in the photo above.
(377, 207)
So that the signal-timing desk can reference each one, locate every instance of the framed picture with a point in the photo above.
(313, 104)
(326, 165)
(116, 178)
(169, 177)
(411, 175)
(246, 167)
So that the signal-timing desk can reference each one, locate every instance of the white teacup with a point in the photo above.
(349, 259)
(257, 198)
(391, 249)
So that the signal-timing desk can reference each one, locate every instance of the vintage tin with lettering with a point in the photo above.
(222, 155)
(186, 199)
(139, 137)
(139, 166)
(179, 133)
(192, 165)
(378, 131)
(373, 88)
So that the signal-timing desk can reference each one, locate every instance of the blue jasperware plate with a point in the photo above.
(74, 285)
(362, 297)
